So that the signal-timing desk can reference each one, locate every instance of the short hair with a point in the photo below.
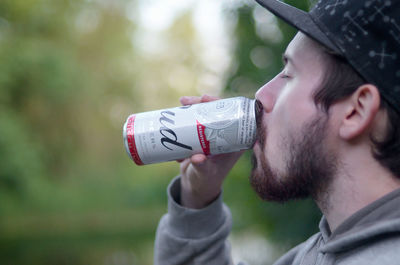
(340, 80)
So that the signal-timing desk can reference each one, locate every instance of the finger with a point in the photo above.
(188, 100)
(200, 164)
(198, 159)
(208, 98)
(184, 165)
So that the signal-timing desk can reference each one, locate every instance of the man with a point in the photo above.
(328, 127)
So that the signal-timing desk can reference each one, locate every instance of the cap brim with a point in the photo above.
(298, 19)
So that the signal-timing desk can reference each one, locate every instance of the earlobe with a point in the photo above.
(361, 109)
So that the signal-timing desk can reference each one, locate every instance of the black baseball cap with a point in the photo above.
(365, 32)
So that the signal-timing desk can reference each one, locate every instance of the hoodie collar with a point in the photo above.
(376, 219)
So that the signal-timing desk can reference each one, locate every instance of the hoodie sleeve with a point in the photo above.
(190, 236)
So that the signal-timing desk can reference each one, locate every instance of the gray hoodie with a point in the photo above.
(370, 236)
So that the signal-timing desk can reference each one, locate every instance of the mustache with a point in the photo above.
(261, 130)
(259, 110)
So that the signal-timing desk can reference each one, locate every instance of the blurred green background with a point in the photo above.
(71, 71)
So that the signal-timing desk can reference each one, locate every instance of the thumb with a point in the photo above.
(199, 162)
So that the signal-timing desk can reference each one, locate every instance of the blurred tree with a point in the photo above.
(260, 40)
(65, 68)
(57, 59)
(70, 74)
(172, 70)
(34, 93)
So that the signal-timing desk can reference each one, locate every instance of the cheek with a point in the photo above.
(271, 148)
(291, 110)
(294, 105)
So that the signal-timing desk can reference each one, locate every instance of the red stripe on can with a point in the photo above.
(205, 144)
(130, 136)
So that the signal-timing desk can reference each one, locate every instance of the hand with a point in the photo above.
(202, 176)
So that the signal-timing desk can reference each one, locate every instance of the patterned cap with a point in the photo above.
(365, 32)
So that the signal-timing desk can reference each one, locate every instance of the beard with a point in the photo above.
(309, 165)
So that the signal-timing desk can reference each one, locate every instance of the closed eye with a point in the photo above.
(285, 76)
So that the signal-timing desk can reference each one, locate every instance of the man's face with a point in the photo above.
(291, 157)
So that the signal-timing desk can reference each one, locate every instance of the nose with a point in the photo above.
(267, 94)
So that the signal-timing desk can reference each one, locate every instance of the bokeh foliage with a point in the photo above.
(69, 76)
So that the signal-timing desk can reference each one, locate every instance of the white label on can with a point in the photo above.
(216, 127)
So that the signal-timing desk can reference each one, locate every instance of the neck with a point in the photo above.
(354, 187)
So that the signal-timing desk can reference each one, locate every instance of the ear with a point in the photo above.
(360, 110)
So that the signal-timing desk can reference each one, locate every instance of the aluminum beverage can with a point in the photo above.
(216, 127)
